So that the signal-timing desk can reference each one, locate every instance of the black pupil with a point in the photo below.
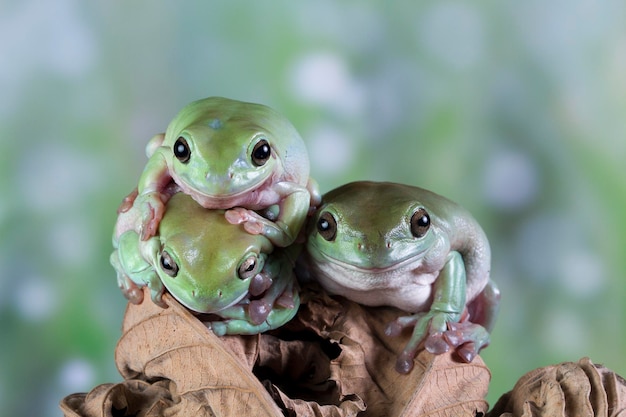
(423, 221)
(323, 224)
(262, 152)
(251, 266)
(166, 263)
(181, 150)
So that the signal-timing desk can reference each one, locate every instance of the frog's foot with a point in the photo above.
(238, 320)
(428, 329)
(132, 291)
(279, 294)
(252, 222)
(152, 210)
(467, 338)
(128, 201)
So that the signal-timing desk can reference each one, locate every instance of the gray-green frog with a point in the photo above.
(209, 266)
(388, 244)
(229, 154)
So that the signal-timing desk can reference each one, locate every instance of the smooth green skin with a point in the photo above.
(220, 173)
(208, 251)
(374, 259)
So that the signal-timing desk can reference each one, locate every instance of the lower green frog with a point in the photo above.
(209, 266)
(388, 244)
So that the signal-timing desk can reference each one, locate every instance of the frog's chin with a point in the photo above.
(406, 284)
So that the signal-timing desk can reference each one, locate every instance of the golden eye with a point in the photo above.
(420, 222)
(181, 150)
(168, 264)
(261, 153)
(327, 226)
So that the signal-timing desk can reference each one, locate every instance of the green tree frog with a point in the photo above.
(229, 154)
(391, 244)
(209, 266)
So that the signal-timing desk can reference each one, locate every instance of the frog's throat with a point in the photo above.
(412, 262)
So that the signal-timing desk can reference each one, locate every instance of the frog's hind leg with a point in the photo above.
(484, 308)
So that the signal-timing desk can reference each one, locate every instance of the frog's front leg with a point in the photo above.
(283, 231)
(134, 271)
(447, 307)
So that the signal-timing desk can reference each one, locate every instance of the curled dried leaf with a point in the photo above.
(569, 389)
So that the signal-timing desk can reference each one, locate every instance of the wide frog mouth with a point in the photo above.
(411, 261)
(211, 196)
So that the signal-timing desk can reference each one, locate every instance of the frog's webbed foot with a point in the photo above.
(279, 294)
(255, 224)
(252, 222)
(467, 338)
(134, 292)
(428, 329)
(130, 290)
(237, 318)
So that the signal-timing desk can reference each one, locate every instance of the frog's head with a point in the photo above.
(205, 262)
(371, 227)
(224, 149)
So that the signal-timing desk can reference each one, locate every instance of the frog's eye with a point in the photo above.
(249, 267)
(168, 264)
(181, 150)
(327, 226)
(420, 223)
(261, 153)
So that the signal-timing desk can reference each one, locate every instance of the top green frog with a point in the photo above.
(229, 154)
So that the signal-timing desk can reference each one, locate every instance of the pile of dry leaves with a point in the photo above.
(332, 360)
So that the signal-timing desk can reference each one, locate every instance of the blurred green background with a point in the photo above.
(515, 109)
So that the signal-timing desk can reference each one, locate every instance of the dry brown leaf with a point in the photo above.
(205, 375)
(570, 389)
(333, 360)
(361, 365)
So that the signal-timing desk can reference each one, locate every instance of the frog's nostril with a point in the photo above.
(388, 244)
(219, 293)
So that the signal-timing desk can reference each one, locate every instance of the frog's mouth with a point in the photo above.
(409, 263)
(211, 196)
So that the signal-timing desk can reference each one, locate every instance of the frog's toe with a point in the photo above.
(134, 295)
(467, 352)
(131, 291)
(218, 327)
(467, 338)
(236, 215)
(398, 325)
(128, 201)
(436, 344)
(259, 284)
(404, 363)
(258, 310)
(253, 227)
(286, 300)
